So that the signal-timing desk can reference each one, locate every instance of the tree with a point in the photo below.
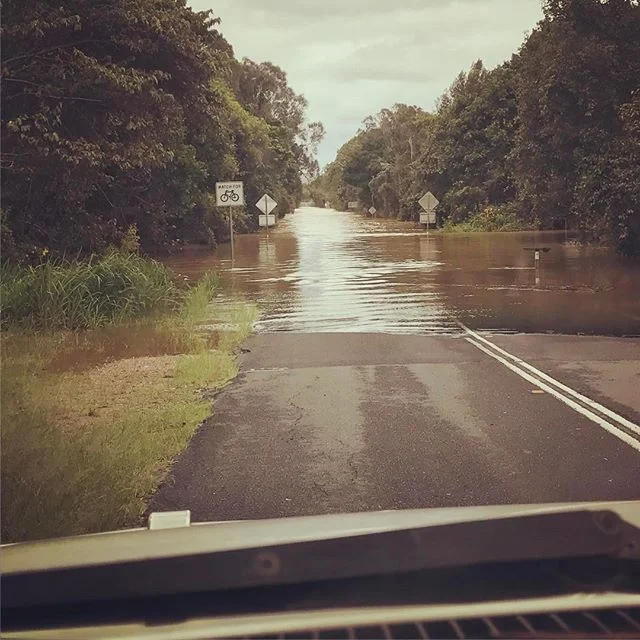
(94, 131)
(263, 90)
(308, 140)
(576, 71)
(608, 190)
(123, 114)
(406, 133)
(474, 139)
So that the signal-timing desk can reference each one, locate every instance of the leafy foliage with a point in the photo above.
(551, 135)
(577, 72)
(119, 114)
(492, 218)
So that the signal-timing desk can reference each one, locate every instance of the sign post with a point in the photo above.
(537, 251)
(230, 194)
(266, 204)
(231, 232)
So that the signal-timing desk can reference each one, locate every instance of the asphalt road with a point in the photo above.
(326, 423)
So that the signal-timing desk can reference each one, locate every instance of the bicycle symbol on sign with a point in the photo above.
(229, 194)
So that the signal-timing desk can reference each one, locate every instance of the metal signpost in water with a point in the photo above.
(266, 204)
(230, 194)
(536, 259)
(429, 203)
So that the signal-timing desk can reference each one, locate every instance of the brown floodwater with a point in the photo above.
(325, 270)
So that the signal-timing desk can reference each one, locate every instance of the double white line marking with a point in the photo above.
(616, 425)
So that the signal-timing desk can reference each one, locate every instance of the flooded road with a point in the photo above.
(327, 271)
(361, 392)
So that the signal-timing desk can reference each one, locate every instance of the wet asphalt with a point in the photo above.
(342, 422)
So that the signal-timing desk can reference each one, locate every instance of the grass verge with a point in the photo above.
(88, 431)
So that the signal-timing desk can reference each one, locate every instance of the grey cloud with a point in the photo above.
(392, 61)
(361, 9)
(350, 58)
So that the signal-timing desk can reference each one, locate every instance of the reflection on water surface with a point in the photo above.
(324, 270)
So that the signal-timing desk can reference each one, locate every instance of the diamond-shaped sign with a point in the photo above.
(372, 210)
(266, 204)
(428, 201)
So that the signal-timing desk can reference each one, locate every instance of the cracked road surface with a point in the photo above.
(327, 423)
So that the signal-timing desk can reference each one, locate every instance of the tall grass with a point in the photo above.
(194, 307)
(82, 295)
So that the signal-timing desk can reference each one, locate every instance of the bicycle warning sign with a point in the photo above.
(229, 194)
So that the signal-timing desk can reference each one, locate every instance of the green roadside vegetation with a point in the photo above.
(113, 288)
(491, 218)
(548, 138)
(118, 118)
(107, 371)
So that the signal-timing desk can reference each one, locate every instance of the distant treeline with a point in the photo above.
(551, 136)
(118, 118)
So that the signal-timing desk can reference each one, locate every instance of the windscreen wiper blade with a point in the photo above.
(549, 536)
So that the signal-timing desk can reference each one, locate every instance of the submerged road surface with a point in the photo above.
(383, 375)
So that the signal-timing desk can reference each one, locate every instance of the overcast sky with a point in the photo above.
(351, 58)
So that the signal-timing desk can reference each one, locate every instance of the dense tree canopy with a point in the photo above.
(118, 116)
(553, 135)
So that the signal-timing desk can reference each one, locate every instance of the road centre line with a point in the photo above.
(607, 426)
(568, 390)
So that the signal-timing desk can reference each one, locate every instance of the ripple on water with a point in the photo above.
(325, 270)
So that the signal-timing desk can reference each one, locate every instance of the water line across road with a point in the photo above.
(381, 377)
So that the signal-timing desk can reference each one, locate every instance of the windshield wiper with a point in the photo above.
(550, 536)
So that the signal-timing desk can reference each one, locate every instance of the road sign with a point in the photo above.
(229, 194)
(270, 219)
(428, 217)
(372, 210)
(266, 204)
(353, 205)
(428, 201)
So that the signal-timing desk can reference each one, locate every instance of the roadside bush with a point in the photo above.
(502, 217)
(82, 295)
(462, 203)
